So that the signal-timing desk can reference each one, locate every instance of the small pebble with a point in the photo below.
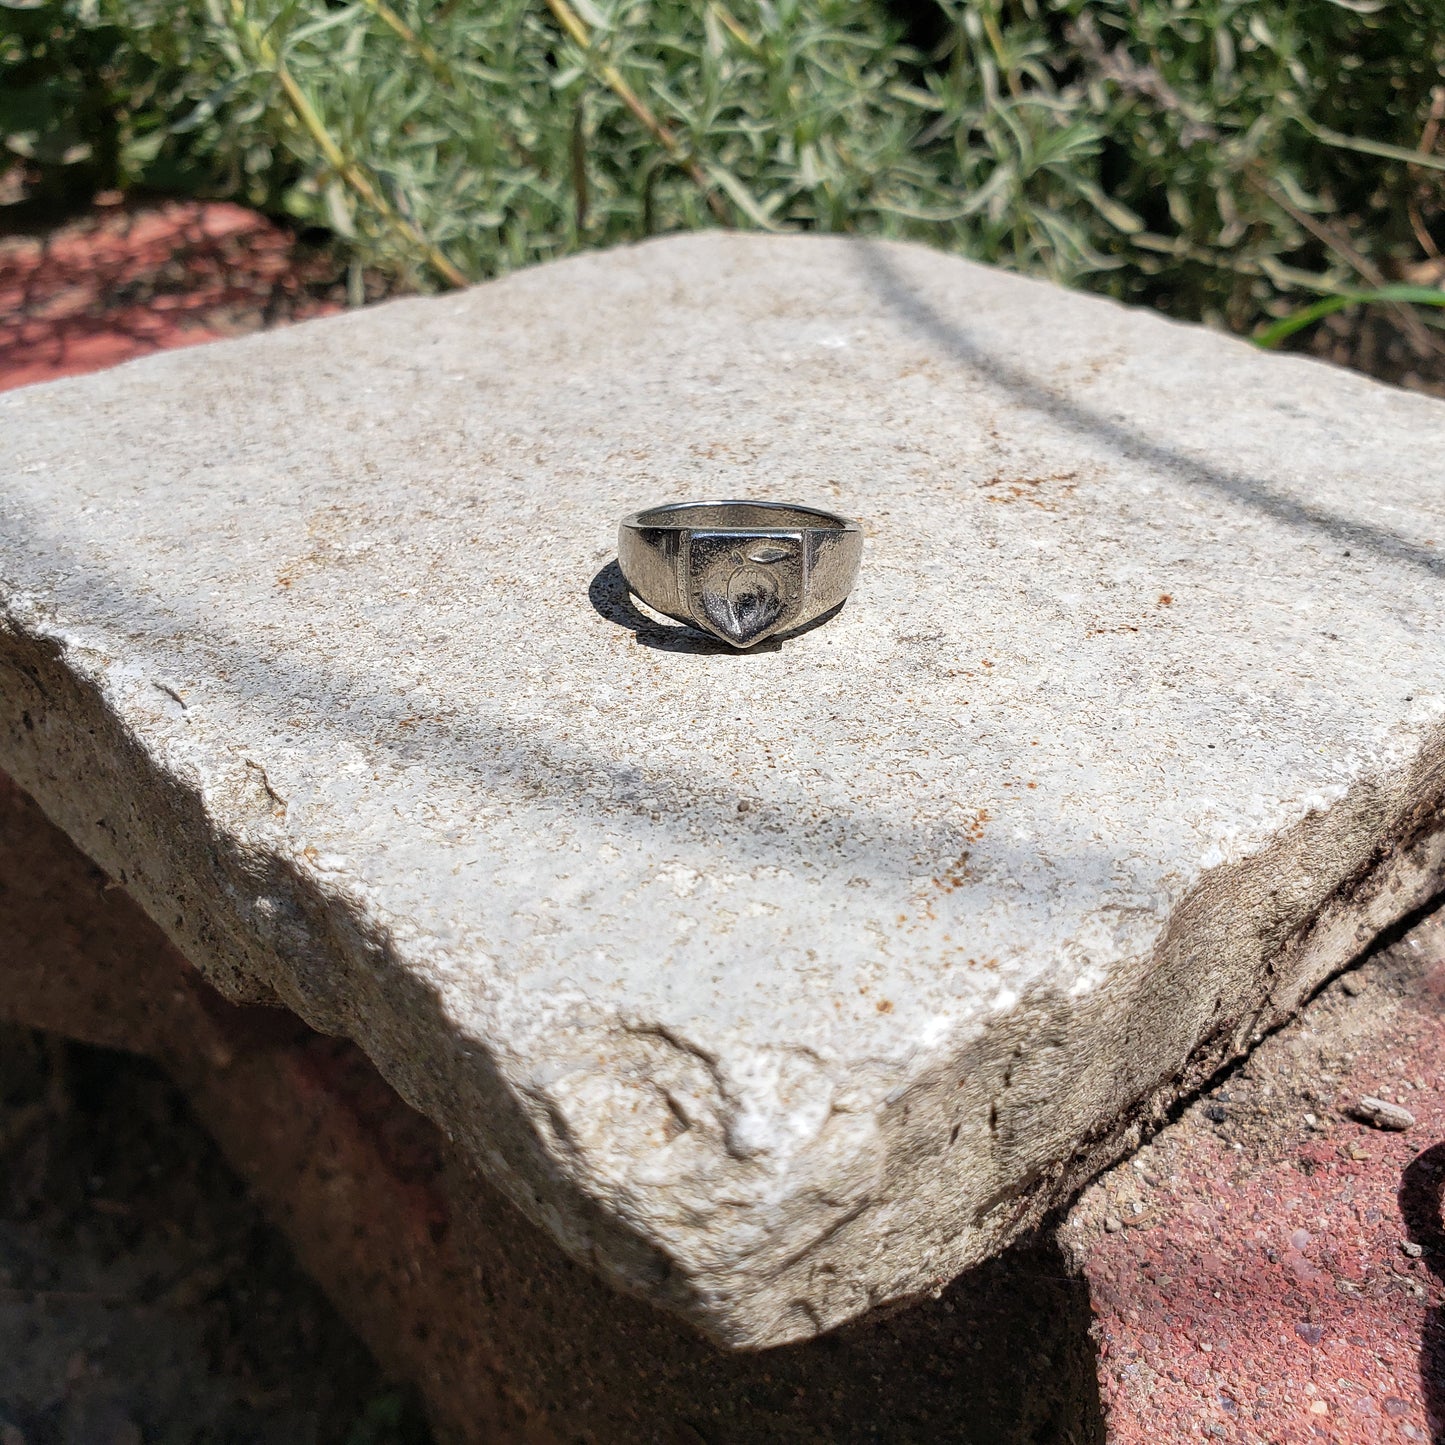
(1112, 1225)
(1216, 1113)
(1353, 984)
(1383, 1114)
(1411, 1248)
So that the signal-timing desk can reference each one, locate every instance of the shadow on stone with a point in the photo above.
(1420, 1190)
(898, 293)
(612, 599)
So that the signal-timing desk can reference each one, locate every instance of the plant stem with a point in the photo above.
(680, 156)
(345, 168)
(389, 17)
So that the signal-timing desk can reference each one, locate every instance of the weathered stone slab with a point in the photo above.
(504, 1336)
(775, 985)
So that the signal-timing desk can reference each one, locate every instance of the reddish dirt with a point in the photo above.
(1270, 1269)
(143, 1298)
(128, 280)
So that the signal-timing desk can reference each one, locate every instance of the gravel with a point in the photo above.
(1383, 1114)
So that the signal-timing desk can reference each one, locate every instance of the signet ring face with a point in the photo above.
(742, 571)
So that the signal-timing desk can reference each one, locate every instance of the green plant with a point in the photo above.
(1286, 326)
(1222, 159)
(90, 94)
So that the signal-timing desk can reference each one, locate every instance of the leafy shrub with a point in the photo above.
(1226, 159)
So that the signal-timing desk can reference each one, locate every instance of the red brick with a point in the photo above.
(1262, 1291)
(123, 282)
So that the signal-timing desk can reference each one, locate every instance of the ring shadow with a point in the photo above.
(1420, 1191)
(612, 599)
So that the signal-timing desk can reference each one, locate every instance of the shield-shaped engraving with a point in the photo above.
(743, 589)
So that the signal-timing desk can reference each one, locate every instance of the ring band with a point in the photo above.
(742, 571)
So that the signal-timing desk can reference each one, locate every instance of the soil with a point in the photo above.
(1271, 1266)
(143, 1299)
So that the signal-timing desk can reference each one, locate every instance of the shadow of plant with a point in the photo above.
(1420, 1189)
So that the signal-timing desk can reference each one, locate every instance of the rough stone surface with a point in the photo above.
(1279, 1269)
(1383, 1114)
(777, 985)
(507, 1338)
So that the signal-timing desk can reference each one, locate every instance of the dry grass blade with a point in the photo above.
(1340, 244)
(1428, 136)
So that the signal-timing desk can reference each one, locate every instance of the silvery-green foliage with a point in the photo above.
(1217, 157)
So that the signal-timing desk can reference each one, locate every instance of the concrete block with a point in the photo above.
(774, 986)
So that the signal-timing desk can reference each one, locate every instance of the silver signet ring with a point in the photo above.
(743, 571)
